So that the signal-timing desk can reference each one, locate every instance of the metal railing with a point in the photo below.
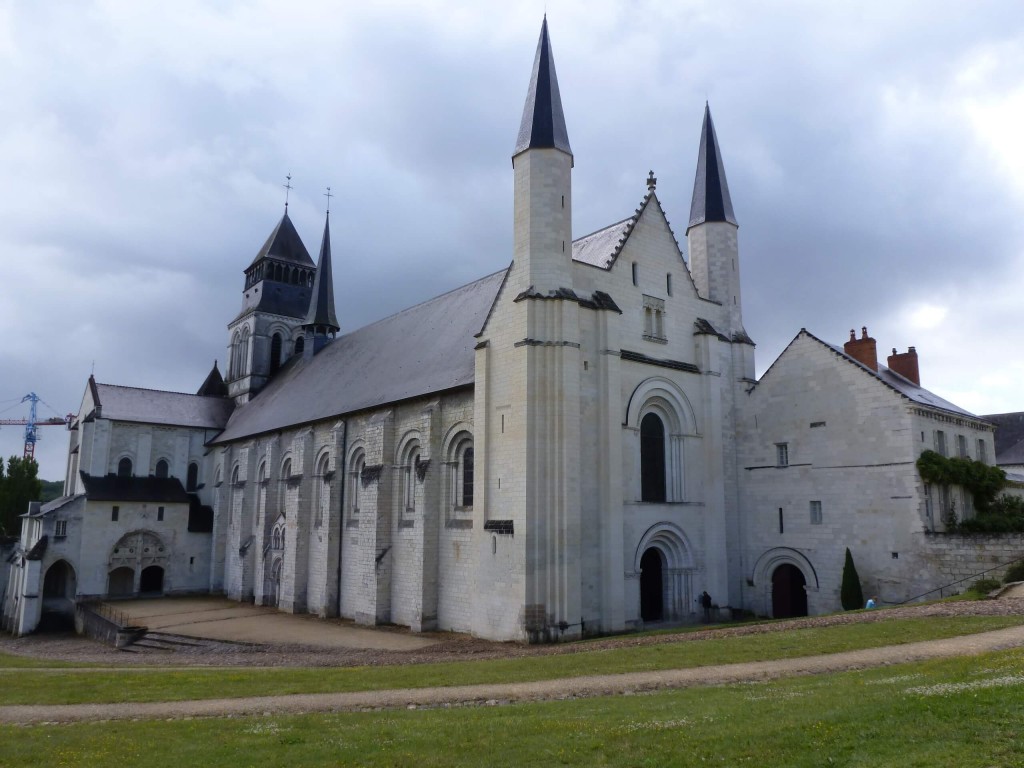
(971, 577)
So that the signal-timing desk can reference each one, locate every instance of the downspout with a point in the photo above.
(343, 455)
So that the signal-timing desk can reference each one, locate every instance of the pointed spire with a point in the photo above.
(321, 304)
(543, 125)
(711, 200)
(214, 385)
(284, 244)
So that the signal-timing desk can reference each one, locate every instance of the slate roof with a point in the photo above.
(321, 305)
(711, 201)
(419, 351)
(153, 406)
(543, 124)
(167, 490)
(903, 386)
(1009, 437)
(599, 249)
(285, 244)
(54, 505)
(213, 385)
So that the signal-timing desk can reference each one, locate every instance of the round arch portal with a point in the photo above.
(664, 565)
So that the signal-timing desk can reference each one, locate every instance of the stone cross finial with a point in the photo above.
(651, 182)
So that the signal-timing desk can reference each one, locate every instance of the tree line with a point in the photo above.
(19, 484)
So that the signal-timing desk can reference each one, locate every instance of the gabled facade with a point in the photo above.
(829, 440)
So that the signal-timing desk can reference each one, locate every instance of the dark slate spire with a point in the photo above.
(711, 200)
(543, 125)
(214, 385)
(321, 317)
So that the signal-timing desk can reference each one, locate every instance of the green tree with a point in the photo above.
(17, 489)
(851, 594)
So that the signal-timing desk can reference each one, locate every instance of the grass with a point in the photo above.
(149, 684)
(963, 712)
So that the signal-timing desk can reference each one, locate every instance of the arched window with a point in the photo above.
(124, 467)
(652, 458)
(460, 463)
(286, 469)
(162, 468)
(233, 365)
(243, 353)
(236, 495)
(408, 462)
(192, 479)
(356, 464)
(275, 352)
(323, 487)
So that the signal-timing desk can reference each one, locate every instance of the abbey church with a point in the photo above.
(574, 445)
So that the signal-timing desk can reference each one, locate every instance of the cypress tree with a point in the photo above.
(851, 594)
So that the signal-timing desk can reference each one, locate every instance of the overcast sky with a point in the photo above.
(873, 152)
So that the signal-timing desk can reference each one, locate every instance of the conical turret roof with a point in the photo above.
(711, 201)
(214, 385)
(543, 123)
(321, 305)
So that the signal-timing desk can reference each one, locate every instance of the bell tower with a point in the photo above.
(275, 299)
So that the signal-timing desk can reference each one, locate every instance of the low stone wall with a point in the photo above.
(963, 558)
(100, 622)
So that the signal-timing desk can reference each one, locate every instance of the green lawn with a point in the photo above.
(963, 712)
(21, 686)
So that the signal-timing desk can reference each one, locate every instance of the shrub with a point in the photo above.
(1014, 573)
(1004, 515)
(851, 594)
(984, 586)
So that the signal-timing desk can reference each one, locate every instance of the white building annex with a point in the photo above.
(573, 445)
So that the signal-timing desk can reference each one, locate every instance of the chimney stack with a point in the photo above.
(905, 364)
(863, 350)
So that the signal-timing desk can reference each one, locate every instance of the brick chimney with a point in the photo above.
(905, 364)
(862, 350)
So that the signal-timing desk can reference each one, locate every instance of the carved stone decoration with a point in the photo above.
(371, 474)
(422, 465)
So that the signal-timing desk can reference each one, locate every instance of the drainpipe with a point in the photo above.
(343, 480)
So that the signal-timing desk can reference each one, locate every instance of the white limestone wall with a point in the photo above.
(857, 460)
(89, 547)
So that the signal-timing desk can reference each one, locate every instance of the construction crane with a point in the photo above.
(33, 422)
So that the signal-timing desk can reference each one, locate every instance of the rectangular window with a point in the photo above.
(654, 319)
(159, 514)
(782, 454)
(781, 525)
(61, 529)
(940, 442)
(928, 501)
(982, 454)
(961, 446)
(815, 513)
(668, 283)
(114, 513)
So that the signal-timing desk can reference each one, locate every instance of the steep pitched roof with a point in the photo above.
(886, 376)
(153, 406)
(285, 244)
(321, 305)
(711, 201)
(420, 351)
(213, 385)
(543, 124)
(168, 490)
(1009, 437)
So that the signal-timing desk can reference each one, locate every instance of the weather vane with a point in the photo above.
(328, 195)
(287, 189)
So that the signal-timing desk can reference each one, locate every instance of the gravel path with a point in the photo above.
(602, 685)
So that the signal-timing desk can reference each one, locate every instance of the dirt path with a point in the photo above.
(577, 687)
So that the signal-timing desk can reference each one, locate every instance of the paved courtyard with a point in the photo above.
(217, 618)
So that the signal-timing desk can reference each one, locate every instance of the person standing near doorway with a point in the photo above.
(705, 603)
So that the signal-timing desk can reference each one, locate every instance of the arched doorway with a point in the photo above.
(59, 589)
(789, 595)
(652, 589)
(121, 582)
(275, 583)
(151, 579)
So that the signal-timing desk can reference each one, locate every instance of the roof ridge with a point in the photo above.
(162, 391)
(427, 301)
